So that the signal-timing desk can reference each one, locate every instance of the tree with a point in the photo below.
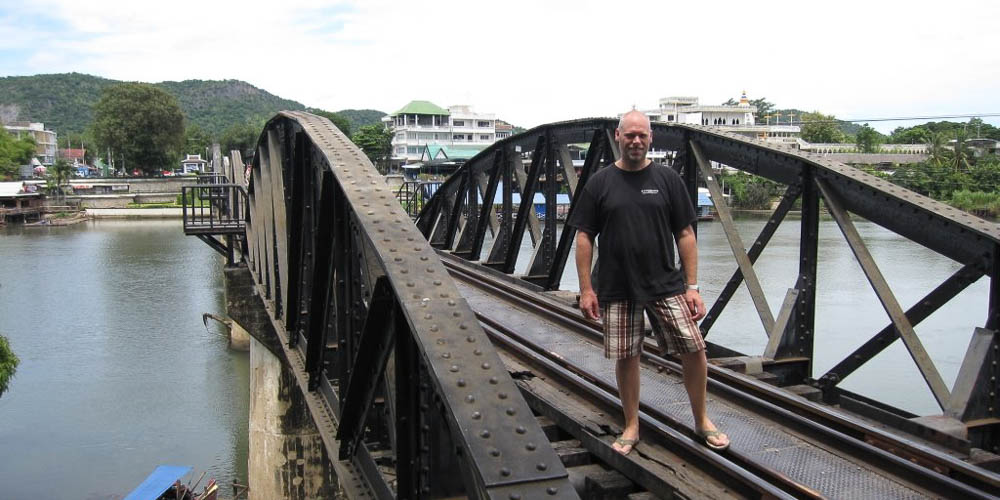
(142, 124)
(340, 121)
(817, 127)
(912, 135)
(868, 139)
(959, 159)
(8, 364)
(14, 153)
(376, 142)
(196, 141)
(936, 152)
(58, 173)
(241, 137)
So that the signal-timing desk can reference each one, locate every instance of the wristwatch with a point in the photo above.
(693, 287)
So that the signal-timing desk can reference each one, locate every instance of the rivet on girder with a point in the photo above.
(511, 412)
(461, 382)
(476, 415)
(504, 472)
(486, 366)
(453, 369)
(530, 446)
(485, 434)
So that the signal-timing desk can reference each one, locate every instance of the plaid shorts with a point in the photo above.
(674, 328)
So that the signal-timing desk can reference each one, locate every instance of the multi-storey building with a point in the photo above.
(45, 140)
(737, 118)
(422, 123)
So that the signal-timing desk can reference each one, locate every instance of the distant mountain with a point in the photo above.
(361, 117)
(64, 101)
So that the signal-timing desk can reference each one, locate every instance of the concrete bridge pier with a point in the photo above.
(287, 458)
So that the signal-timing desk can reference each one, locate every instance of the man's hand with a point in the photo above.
(694, 303)
(589, 306)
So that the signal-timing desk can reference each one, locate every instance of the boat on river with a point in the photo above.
(164, 483)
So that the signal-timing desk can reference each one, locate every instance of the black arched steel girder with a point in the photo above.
(353, 285)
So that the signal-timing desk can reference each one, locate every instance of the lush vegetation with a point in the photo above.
(376, 142)
(357, 118)
(8, 364)
(13, 153)
(64, 102)
(141, 124)
(747, 191)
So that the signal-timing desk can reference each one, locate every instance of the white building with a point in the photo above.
(422, 123)
(45, 140)
(192, 164)
(737, 119)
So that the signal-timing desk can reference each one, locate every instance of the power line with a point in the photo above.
(903, 118)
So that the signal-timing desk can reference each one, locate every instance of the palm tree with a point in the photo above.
(960, 153)
(936, 151)
(58, 173)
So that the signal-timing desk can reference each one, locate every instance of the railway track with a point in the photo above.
(783, 445)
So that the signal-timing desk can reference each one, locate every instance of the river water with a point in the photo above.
(118, 374)
(848, 312)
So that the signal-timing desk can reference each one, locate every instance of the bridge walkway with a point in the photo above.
(760, 441)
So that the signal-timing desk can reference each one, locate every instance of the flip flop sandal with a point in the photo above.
(704, 435)
(627, 442)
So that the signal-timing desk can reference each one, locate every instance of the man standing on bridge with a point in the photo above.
(636, 207)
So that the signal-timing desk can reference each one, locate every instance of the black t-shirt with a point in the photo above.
(634, 215)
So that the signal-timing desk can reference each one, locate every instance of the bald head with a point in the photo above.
(634, 135)
(634, 118)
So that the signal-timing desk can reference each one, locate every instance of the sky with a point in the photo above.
(535, 62)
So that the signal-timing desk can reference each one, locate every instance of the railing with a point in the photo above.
(212, 209)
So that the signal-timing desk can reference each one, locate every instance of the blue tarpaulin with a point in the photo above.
(158, 482)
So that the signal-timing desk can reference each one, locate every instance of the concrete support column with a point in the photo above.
(287, 458)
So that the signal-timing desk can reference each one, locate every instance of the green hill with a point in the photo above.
(361, 117)
(64, 101)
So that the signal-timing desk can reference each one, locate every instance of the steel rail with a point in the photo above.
(969, 481)
(560, 313)
(776, 485)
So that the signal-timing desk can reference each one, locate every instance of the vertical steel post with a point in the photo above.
(407, 415)
(800, 343)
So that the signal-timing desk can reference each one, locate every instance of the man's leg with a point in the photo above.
(696, 382)
(627, 373)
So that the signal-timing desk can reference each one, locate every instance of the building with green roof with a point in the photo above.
(421, 125)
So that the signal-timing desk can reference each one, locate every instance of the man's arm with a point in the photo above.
(584, 254)
(687, 247)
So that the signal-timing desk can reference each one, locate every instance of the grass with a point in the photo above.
(977, 202)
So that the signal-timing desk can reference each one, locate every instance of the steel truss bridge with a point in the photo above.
(433, 370)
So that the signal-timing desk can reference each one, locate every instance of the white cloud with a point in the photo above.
(533, 62)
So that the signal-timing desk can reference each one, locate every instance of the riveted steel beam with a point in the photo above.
(358, 235)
